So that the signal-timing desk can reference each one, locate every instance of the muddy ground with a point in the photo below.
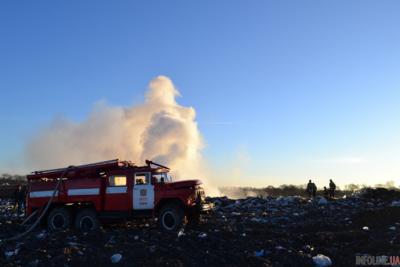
(283, 231)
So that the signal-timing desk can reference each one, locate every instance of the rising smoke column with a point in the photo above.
(159, 129)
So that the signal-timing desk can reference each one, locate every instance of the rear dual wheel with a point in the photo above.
(60, 219)
(86, 220)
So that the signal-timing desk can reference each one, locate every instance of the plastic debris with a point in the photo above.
(202, 235)
(395, 203)
(181, 233)
(321, 260)
(152, 249)
(34, 263)
(116, 258)
(322, 201)
(365, 228)
(260, 253)
(11, 253)
(41, 235)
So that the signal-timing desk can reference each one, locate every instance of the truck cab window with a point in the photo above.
(163, 177)
(117, 180)
(142, 178)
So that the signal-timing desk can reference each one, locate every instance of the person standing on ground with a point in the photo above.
(314, 189)
(332, 188)
(311, 189)
(19, 196)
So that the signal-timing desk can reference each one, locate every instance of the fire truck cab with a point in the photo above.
(85, 195)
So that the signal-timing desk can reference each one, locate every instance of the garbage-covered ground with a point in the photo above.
(271, 231)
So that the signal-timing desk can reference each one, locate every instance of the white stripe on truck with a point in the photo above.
(47, 193)
(116, 189)
(83, 192)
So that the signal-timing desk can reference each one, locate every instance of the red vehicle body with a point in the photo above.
(113, 190)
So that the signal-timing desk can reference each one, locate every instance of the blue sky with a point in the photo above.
(284, 90)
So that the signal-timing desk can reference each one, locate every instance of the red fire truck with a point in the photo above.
(84, 195)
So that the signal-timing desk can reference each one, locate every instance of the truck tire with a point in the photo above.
(171, 217)
(86, 220)
(58, 219)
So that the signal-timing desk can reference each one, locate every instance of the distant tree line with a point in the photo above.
(12, 179)
(292, 190)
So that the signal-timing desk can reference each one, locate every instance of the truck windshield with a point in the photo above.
(163, 176)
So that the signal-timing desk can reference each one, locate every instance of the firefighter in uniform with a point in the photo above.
(332, 188)
(19, 196)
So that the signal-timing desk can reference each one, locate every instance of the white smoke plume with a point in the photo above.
(159, 129)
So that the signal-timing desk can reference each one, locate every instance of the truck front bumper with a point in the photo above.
(206, 207)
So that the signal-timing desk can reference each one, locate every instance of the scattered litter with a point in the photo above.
(322, 201)
(260, 253)
(181, 233)
(202, 235)
(152, 249)
(321, 260)
(33, 263)
(308, 248)
(11, 253)
(395, 203)
(116, 258)
(267, 228)
(41, 235)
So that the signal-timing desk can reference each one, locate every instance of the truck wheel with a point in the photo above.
(58, 219)
(171, 217)
(86, 220)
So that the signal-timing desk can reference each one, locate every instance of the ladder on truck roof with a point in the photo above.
(91, 166)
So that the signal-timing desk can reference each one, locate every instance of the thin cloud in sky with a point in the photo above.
(219, 123)
(341, 160)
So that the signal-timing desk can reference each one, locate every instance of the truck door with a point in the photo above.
(116, 192)
(143, 191)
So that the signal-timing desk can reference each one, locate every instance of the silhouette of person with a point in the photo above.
(332, 188)
(311, 189)
(19, 196)
(314, 189)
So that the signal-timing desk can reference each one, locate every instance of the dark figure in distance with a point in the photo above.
(332, 188)
(19, 196)
(311, 189)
